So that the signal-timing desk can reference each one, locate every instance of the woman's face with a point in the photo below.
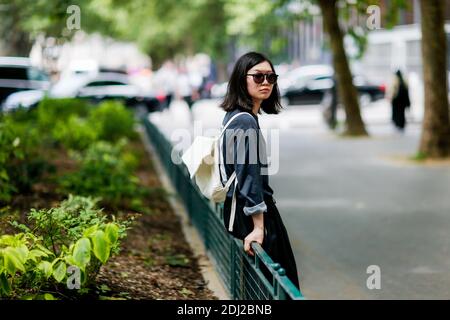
(263, 90)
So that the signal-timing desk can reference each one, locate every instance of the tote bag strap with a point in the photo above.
(230, 180)
(233, 207)
(232, 118)
(233, 176)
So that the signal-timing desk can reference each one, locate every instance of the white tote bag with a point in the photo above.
(202, 161)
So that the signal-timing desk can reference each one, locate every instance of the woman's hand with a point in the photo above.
(257, 235)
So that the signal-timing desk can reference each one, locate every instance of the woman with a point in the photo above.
(399, 96)
(255, 218)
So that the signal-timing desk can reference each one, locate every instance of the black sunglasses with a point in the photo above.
(259, 77)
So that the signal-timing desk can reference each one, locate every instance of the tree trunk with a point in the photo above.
(346, 89)
(18, 44)
(15, 41)
(435, 141)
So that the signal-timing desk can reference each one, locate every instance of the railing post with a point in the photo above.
(281, 293)
(233, 271)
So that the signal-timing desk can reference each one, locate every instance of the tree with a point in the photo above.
(435, 140)
(260, 25)
(346, 89)
(21, 21)
(15, 40)
(165, 29)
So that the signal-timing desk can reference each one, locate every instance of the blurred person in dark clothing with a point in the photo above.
(399, 96)
(330, 105)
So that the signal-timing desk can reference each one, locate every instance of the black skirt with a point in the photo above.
(276, 241)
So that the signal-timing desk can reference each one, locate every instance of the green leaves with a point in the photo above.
(5, 286)
(90, 231)
(112, 233)
(36, 254)
(66, 223)
(76, 232)
(46, 268)
(20, 162)
(102, 244)
(13, 260)
(59, 272)
(82, 253)
(107, 171)
(23, 255)
(102, 247)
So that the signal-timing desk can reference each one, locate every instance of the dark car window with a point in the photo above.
(16, 73)
(105, 83)
(322, 78)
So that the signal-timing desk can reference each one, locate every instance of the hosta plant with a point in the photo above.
(63, 246)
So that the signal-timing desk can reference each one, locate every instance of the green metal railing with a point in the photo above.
(245, 277)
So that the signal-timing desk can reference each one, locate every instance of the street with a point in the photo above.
(351, 203)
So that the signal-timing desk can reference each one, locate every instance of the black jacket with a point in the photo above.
(244, 151)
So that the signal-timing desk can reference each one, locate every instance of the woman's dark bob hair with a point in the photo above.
(237, 94)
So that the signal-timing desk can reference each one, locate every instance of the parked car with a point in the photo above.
(17, 74)
(307, 85)
(102, 86)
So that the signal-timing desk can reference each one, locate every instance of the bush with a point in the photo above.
(52, 111)
(106, 171)
(112, 121)
(74, 234)
(20, 162)
(76, 133)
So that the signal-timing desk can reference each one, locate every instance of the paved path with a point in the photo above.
(352, 203)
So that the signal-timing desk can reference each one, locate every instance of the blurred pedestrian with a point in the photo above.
(183, 87)
(330, 105)
(250, 213)
(399, 96)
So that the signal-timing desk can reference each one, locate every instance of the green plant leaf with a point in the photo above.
(102, 248)
(90, 231)
(22, 252)
(82, 253)
(44, 249)
(49, 296)
(5, 287)
(60, 271)
(12, 261)
(112, 233)
(46, 268)
(7, 240)
(35, 254)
